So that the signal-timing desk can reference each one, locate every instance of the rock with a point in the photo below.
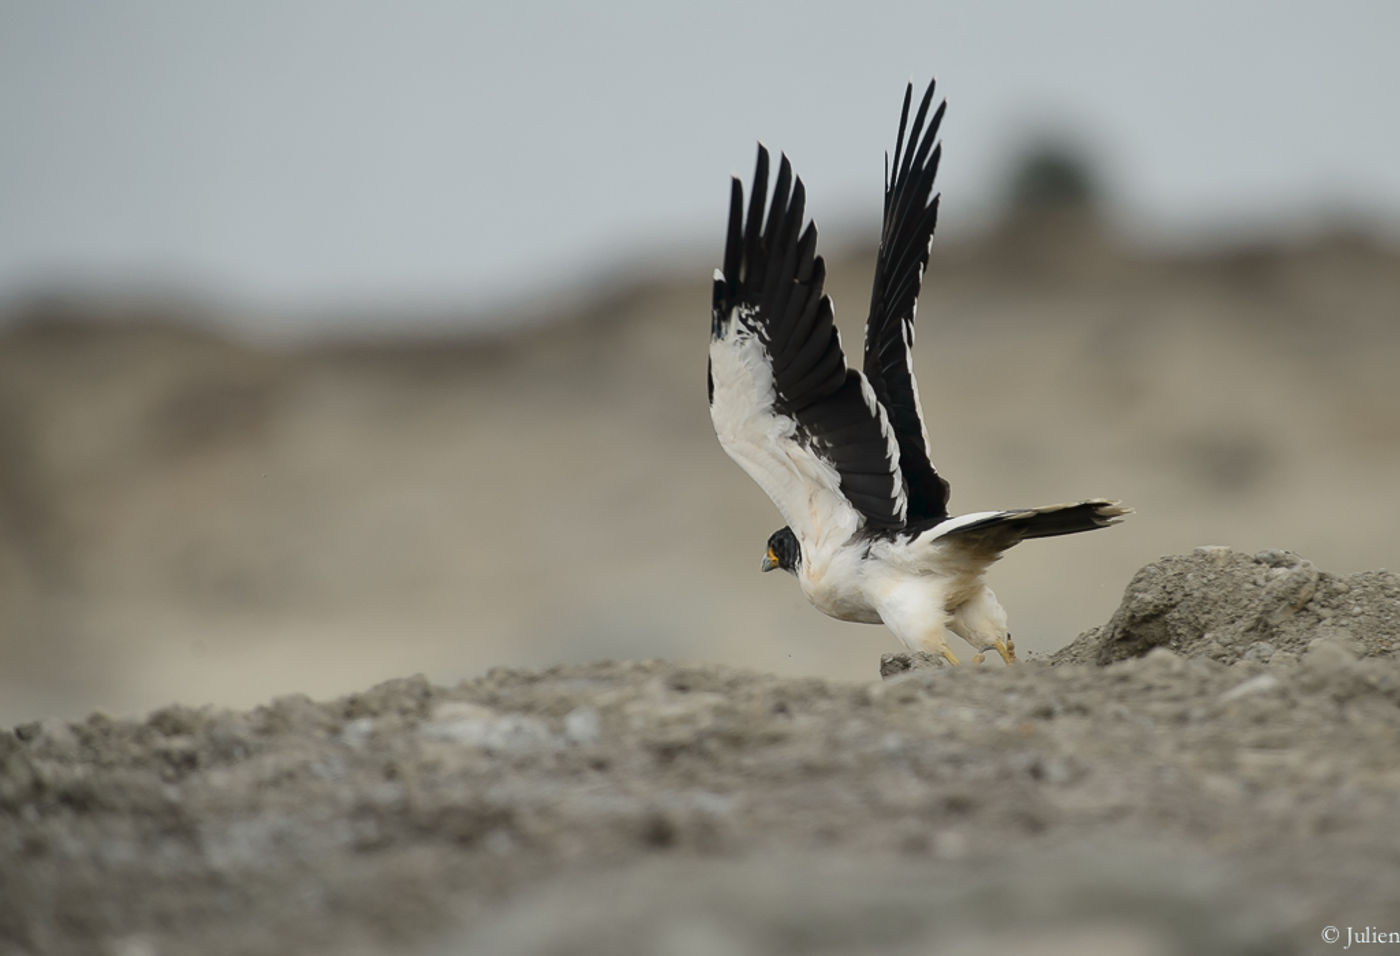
(1229, 606)
(892, 665)
(1261, 651)
(1258, 684)
(582, 725)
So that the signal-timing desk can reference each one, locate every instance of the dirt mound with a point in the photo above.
(1228, 606)
(1168, 803)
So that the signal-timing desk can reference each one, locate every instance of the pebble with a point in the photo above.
(582, 725)
(1261, 651)
(503, 733)
(1259, 684)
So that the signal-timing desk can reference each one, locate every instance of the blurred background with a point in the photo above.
(341, 341)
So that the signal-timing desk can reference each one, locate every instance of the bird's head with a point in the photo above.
(783, 551)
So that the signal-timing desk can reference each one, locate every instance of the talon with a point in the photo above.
(978, 658)
(948, 656)
(1006, 649)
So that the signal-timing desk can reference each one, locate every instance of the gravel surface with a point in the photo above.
(1213, 771)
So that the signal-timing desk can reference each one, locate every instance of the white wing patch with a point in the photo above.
(914, 380)
(805, 488)
(907, 334)
(877, 411)
(909, 358)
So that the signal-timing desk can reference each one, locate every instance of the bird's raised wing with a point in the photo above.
(911, 212)
(808, 429)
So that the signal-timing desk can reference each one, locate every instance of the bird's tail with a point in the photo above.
(1003, 529)
(1052, 520)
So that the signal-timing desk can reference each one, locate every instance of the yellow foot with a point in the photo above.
(1006, 649)
(978, 658)
(948, 656)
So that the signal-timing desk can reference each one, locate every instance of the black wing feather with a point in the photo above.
(911, 214)
(772, 286)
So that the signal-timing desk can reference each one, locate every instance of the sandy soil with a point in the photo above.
(1212, 771)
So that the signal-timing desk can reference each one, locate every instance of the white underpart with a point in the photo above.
(981, 621)
(805, 488)
(921, 593)
(915, 609)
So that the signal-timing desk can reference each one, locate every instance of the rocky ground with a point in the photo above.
(1212, 771)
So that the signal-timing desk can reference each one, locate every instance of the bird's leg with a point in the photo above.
(915, 611)
(931, 639)
(1007, 649)
(982, 623)
(934, 641)
(941, 649)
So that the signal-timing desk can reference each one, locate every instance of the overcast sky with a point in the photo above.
(304, 154)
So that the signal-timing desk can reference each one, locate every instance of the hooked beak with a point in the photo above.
(770, 561)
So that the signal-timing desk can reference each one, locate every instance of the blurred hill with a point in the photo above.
(186, 517)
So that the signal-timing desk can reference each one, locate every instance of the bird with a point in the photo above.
(843, 452)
